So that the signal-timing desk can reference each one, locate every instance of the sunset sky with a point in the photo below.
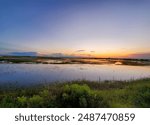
(101, 28)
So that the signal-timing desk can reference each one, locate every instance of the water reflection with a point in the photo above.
(40, 73)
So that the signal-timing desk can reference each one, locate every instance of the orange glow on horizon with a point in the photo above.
(90, 53)
(100, 55)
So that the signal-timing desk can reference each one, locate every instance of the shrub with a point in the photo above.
(142, 97)
(35, 102)
(22, 101)
(81, 96)
(97, 101)
(8, 102)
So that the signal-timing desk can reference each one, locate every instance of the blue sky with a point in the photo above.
(103, 28)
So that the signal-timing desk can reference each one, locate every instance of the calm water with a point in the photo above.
(46, 73)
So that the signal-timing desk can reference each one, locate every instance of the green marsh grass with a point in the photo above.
(85, 94)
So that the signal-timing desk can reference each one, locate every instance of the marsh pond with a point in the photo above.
(28, 74)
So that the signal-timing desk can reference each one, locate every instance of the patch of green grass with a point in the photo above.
(85, 94)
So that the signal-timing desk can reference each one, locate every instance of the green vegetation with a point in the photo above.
(79, 94)
(73, 60)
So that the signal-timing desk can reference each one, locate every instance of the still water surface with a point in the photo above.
(47, 73)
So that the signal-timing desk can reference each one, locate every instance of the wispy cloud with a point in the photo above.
(92, 51)
(81, 50)
(84, 55)
(59, 55)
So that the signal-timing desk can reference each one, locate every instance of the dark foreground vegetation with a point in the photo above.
(78, 94)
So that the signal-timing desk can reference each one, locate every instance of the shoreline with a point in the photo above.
(67, 60)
